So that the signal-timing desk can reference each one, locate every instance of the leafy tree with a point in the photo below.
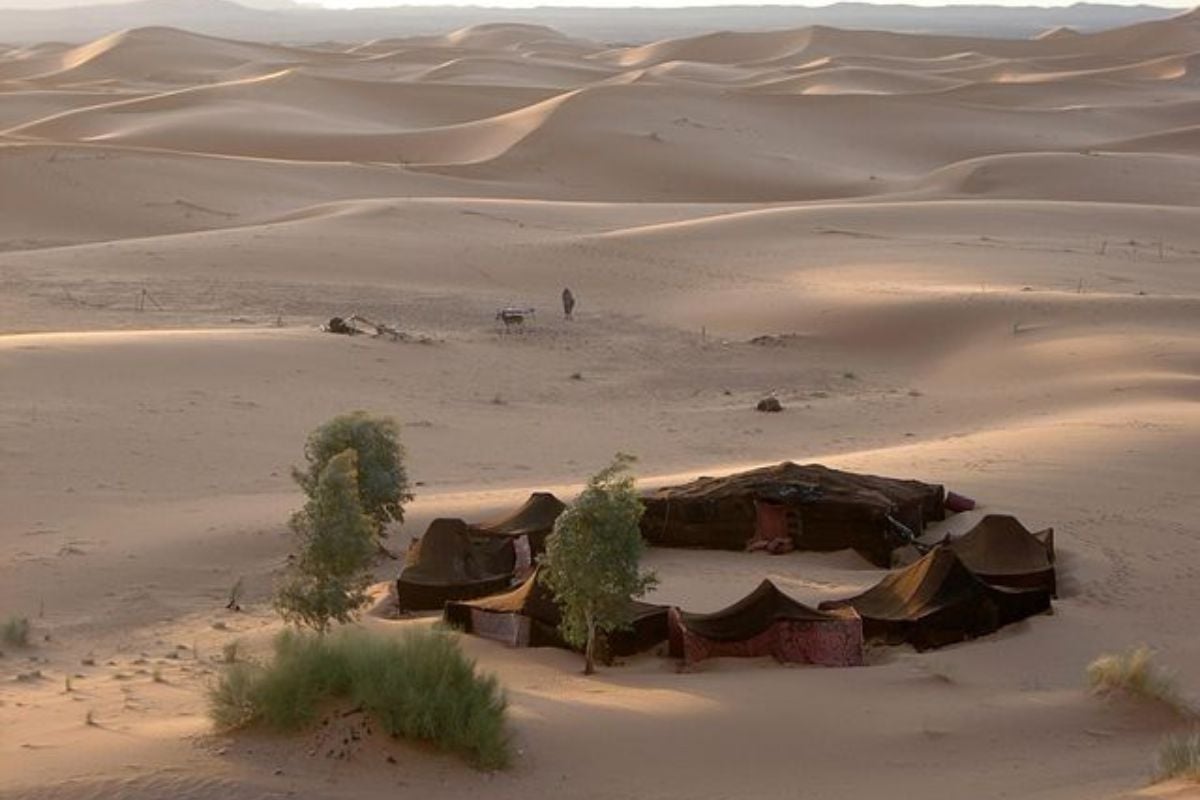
(383, 487)
(591, 559)
(328, 579)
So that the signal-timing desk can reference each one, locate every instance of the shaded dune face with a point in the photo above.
(968, 261)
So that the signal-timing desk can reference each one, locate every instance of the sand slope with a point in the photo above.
(959, 259)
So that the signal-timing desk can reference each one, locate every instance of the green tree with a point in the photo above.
(383, 487)
(591, 559)
(328, 578)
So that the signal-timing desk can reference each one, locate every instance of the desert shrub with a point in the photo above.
(382, 479)
(419, 686)
(233, 701)
(231, 651)
(1134, 673)
(591, 559)
(15, 632)
(1179, 757)
(327, 582)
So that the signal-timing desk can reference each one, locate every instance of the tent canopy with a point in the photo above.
(937, 601)
(535, 519)
(531, 598)
(534, 600)
(1001, 551)
(449, 564)
(768, 622)
(752, 615)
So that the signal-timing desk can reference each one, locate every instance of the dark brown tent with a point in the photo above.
(768, 622)
(938, 601)
(528, 616)
(825, 509)
(449, 564)
(534, 519)
(1001, 551)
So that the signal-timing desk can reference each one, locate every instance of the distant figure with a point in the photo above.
(568, 303)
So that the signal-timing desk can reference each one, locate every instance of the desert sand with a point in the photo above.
(963, 260)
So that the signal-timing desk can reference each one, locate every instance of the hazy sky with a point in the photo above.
(669, 3)
(597, 3)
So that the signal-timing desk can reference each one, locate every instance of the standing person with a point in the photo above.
(568, 303)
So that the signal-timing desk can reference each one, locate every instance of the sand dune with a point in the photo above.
(513, 72)
(856, 80)
(1094, 177)
(283, 115)
(116, 193)
(168, 56)
(23, 106)
(796, 150)
(958, 259)
(1184, 140)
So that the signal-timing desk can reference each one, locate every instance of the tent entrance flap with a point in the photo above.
(774, 520)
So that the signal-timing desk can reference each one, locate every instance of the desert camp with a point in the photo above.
(963, 587)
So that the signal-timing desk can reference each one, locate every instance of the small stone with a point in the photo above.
(769, 405)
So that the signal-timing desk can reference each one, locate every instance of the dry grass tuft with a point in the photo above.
(14, 632)
(1179, 757)
(1134, 674)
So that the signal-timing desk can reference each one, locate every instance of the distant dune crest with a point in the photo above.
(282, 20)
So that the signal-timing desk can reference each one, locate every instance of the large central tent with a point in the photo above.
(818, 508)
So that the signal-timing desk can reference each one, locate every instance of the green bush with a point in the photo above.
(419, 686)
(328, 580)
(591, 559)
(15, 632)
(1135, 674)
(382, 477)
(1179, 757)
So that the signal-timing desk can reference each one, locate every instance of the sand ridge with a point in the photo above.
(959, 259)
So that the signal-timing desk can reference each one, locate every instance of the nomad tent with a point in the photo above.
(767, 622)
(528, 527)
(1002, 552)
(528, 616)
(938, 601)
(809, 506)
(449, 564)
